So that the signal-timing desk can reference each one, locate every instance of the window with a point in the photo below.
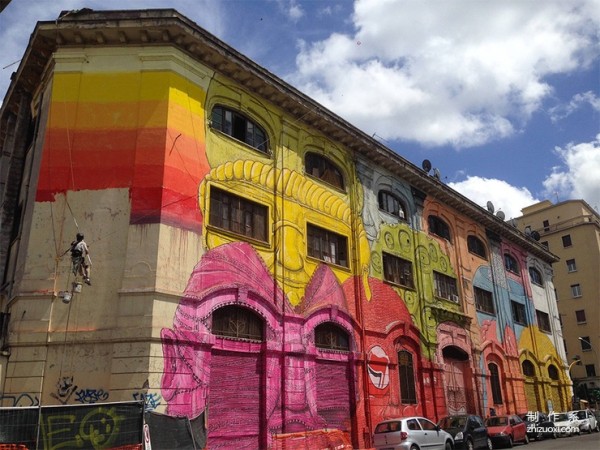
(484, 301)
(332, 337)
(475, 245)
(445, 287)
(528, 369)
(495, 383)
(397, 270)
(553, 372)
(237, 214)
(571, 266)
(320, 167)
(590, 370)
(389, 203)
(518, 312)
(427, 425)
(327, 246)
(236, 322)
(566, 240)
(546, 225)
(239, 127)
(576, 290)
(511, 264)
(438, 227)
(580, 315)
(536, 276)
(586, 346)
(543, 320)
(406, 371)
(565, 345)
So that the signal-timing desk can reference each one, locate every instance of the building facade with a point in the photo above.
(571, 230)
(256, 261)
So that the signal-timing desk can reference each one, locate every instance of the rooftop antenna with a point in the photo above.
(426, 165)
(437, 174)
(490, 207)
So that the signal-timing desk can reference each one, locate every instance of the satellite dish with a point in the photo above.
(500, 215)
(535, 235)
(513, 222)
(426, 165)
(528, 230)
(490, 207)
(437, 174)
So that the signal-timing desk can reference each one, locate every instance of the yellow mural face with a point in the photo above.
(299, 202)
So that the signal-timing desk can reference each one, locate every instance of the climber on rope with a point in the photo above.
(80, 256)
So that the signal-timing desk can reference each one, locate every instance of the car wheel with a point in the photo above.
(470, 445)
(414, 447)
(490, 446)
(510, 442)
(448, 446)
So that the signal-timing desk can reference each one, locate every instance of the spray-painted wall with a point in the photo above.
(131, 158)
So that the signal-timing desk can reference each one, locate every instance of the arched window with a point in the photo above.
(536, 276)
(528, 369)
(322, 168)
(240, 127)
(389, 203)
(495, 383)
(553, 372)
(406, 372)
(511, 264)
(438, 227)
(476, 246)
(332, 337)
(237, 322)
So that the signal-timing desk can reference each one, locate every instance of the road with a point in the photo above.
(582, 442)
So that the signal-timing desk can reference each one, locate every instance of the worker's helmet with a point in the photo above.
(79, 236)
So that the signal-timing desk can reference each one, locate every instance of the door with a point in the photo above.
(456, 380)
(234, 401)
(333, 394)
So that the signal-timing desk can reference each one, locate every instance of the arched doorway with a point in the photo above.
(457, 378)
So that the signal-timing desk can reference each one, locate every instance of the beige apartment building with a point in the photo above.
(571, 230)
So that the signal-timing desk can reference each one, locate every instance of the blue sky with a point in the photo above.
(502, 96)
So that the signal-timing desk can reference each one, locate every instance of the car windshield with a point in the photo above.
(389, 427)
(560, 417)
(581, 414)
(496, 421)
(453, 422)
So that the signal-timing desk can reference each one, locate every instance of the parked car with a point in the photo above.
(469, 431)
(566, 425)
(506, 430)
(409, 433)
(589, 422)
(539, 426)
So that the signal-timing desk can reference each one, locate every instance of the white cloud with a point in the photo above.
(579, 178)
(462, 73)
(505, 197)
(578, 101)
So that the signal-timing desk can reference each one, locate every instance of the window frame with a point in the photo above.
(576, 290)
(437, 226)
(519, 313)
(590, 370)
(566, 241)
(401, 264)
(330, 336)
(543, 320)
(528, 368)
(234, 129)
(406, 375)
(445, 287)
(384, 198)
(511, 264)
(241, 207)
(482, 306)
(585, 344)
(476, 246)
(571, 265)
(327, 166)
(240, 313)
(553, 372)
(495, 383)
(580, 318)
(326, 237)
(536, 276)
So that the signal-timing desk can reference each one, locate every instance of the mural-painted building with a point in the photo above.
(257, 261)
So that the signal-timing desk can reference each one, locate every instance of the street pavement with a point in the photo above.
(582, 442)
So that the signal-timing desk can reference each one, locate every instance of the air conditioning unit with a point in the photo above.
(454, 298)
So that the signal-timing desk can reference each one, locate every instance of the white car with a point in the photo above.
(566, 424)
(588, 420)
